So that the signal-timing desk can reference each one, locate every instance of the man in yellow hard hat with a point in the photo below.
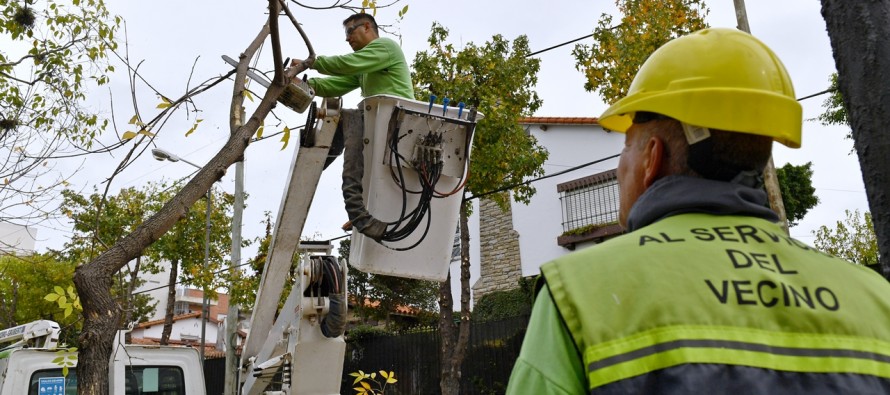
(705, 294)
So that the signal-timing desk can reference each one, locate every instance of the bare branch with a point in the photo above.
(302, 33)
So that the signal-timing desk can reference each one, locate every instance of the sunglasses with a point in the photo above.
(352, 28)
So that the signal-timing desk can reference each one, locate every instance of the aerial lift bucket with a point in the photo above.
(397, 132)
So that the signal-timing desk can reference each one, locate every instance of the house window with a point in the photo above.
(180, 308)
(589, 202)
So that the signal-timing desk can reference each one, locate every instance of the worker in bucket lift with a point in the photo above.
(377, 66)
(705, 294)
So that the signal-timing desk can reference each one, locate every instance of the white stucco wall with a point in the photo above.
(17, 239)
(540, 222)
(190, 328)
(155, 287)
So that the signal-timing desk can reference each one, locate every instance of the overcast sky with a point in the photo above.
(170, 37)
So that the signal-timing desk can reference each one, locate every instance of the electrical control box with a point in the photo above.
(408, 146)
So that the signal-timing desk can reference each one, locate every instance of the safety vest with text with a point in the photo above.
(698, 303)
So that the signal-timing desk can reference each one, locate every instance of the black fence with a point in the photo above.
(414, 357)
(215, 375)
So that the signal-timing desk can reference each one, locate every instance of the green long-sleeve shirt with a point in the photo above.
(550, 364)
(378, 68)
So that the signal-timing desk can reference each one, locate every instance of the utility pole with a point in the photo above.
(770, 179)
(231, 383)
(205, 310)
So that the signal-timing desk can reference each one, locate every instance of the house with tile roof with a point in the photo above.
(575, 205)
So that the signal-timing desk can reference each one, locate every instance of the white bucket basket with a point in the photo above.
(426, 252)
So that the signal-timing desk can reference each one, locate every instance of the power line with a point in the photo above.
(559, 45)
(508, 187)
(188, 279)
(829, 90)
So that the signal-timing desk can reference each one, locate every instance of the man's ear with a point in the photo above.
(653, 160)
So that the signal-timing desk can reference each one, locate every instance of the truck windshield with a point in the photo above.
(140, 380)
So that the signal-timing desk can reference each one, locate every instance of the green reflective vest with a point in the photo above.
(704, 289)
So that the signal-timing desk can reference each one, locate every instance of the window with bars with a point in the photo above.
(180, 308)
(590, 201)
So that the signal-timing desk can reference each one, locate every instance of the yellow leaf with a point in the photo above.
(248, 95)
(366, 385)
(51, 297)
(391, 380)
(384, 374)
(259, 132)
(146, 133)
(133, 120)
(59, 290)
(195, 126)
(128, 135)
(164, 103)
(285, 138)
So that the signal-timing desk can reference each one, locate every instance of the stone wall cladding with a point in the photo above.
(500, 266)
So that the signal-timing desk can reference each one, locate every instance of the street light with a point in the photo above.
(162, 155)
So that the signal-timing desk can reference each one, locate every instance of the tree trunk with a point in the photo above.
(859, 32)
(448, 384)
(454, 345)
(101, 316)
(171, 302)
(94, 279)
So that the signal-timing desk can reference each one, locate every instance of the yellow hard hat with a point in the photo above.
(716, 78)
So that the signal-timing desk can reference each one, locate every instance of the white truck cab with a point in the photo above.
(133, 370)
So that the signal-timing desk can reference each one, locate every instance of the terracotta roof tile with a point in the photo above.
(210, 350)
(560, 120)
(147, 324)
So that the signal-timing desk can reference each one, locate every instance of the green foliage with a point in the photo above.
(51, 56)
(505, 304)
(497, 78)
(25, 281)
(66, 358)
(586, 229)
(798, 193)
(387, 292)
(67, 300)
(99, 224)
(835, 112)
(360, 333)
(852, 239)
(618, 52)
